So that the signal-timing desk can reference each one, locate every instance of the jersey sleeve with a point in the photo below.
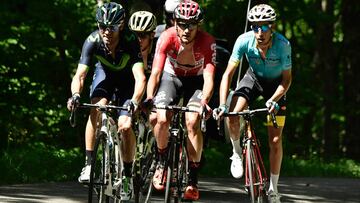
(238, 50)
(88, 49)
(160, 51)
(210, 56)
(286, 57)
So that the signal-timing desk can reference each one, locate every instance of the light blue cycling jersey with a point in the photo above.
(278, 56)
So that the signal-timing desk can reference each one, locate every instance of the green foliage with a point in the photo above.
(39, 162)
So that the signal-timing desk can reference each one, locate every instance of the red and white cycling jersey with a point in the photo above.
(169, 47)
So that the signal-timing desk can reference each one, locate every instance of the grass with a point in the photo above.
(43, 163)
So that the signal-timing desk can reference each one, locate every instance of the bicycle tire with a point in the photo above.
(256, 186)
(183, 170)
(169, 175)
(97, 171)
(144, 171)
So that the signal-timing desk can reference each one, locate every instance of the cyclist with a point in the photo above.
(169, 8)
(184, 63)
(269, 75)
(143, 23)
(119, 65)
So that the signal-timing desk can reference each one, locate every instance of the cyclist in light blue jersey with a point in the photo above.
(269, 75)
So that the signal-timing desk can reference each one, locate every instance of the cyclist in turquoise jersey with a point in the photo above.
(118, 66)
(269, 75)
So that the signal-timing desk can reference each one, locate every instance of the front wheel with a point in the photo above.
(254, 181)
(97, 173)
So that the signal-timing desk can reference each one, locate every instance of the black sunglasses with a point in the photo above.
(111, 28)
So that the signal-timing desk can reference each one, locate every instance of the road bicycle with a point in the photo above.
(145, 159)
(177, 157)
(256, 179)
(106, 165)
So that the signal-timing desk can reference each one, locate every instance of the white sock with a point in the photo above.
(236, 146)
(273, 182)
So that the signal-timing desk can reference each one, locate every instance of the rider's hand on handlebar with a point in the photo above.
(205, 108)
(73, 101)
(147, 105)
(218, 112)
(272, 106)
(133, 106)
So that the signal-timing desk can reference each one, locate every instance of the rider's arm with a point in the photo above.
(283, 86)
(77, 82)
(140, 81)
(208, 86)
(153, 82)
(158, 65)
(226, 81)
(286, 73)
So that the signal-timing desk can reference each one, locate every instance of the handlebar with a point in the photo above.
(175, 108)
(248, 113)
(102, 108)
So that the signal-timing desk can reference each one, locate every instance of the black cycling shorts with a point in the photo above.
(252, 86)
(172, 88)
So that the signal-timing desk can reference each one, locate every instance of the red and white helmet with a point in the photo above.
(189, 11)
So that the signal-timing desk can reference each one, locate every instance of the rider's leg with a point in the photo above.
(238, 104)
(128, 143)
(275, 155)
(91, 128)
(194, 148)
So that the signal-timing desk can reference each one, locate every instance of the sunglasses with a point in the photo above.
(185, 26)
(263, 28)
(142, 35)
(111, 28)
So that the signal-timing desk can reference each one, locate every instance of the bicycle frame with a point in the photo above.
(177, 163)
(108, 145)
(256, 179)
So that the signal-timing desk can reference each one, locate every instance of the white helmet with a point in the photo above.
(261, 13)
(170, 5)
(142, 21)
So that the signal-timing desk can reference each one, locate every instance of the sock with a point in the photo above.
(273, 182)
(127, 168)
(162, 154)
(193, 173)
(236, 146)
(88, 157)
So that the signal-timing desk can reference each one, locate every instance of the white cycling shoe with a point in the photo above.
(85, 174)
(236, 168)
(273, 197)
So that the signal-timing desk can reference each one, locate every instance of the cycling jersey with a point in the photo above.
(278, 56)
(111, 73)
(127, 52)
(168, 47)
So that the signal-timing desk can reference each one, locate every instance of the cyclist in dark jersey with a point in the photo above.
(184, 63)
(118, 65)
(269, 75)
(143, 24)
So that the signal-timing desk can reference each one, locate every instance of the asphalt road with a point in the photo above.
(222, 190)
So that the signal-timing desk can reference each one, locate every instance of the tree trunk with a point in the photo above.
(351, 56)
(327, 66)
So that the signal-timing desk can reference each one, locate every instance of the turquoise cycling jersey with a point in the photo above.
(278, 56)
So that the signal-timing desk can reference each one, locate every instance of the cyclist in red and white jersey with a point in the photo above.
(184, 64)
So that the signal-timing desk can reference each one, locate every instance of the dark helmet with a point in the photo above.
(189, 10)
(110, 14)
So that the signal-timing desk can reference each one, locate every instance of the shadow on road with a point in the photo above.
(222, 190)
